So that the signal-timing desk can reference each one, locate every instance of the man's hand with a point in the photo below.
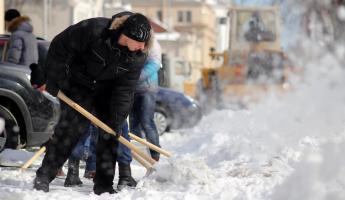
(46, 143)
(38, 77)
(41, 89)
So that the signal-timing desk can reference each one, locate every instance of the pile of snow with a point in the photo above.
(14, 158)
(287, 146)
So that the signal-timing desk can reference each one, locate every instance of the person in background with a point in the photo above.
(23, 47)
(141, 117)
(96, 63)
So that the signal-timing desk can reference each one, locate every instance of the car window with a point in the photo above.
(43, 47)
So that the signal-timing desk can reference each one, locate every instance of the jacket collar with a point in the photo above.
(16, 22)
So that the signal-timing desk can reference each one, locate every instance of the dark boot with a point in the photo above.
(99, 189)
(125, 177)
(72, 178)
(156, 158)
(89, 174)
(41, 184)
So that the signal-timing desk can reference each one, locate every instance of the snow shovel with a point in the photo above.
(146, 161)
(142, 161)
(28, 163)
(149, 145)
(106, 128)
(33, 158)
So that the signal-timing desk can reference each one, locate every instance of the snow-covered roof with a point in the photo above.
(168, 36)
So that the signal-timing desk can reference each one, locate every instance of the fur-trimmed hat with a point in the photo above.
(137, 27)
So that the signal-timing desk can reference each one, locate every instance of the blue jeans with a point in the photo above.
(86, 148)
(141, 118)
(124, 155)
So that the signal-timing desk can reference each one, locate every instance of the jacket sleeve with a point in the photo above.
(15, 49)
(63, 48)
(150, 68)
(152, 63)
(123, 96)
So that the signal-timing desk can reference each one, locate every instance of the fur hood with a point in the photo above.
(118, 22)
(22, 23)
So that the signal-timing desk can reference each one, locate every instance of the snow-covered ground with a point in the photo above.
(287, 146)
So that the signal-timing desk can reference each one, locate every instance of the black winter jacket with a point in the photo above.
(87, 53)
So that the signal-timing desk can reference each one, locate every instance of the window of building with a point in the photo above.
(188, 16)
(180, 16)
(184, 16)
(159, 15)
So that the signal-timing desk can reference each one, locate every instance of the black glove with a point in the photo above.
(46, 143)
(38, 77)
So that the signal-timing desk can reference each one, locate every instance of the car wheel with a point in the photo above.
(161, 120)
(9, 138)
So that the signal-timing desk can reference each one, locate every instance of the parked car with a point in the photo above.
(175, 110)
(30, 115)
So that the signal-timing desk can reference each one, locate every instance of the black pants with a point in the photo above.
(72, 125)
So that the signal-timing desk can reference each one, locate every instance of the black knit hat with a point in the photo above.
(121, 14)
(11, 14)
(137, 27)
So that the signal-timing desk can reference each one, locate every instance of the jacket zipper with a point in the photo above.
(123, 68)
(104, 64)
(99, 56)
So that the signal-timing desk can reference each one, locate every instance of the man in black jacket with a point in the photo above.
(96, 63)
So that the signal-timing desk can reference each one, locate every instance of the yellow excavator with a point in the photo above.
(254, 63)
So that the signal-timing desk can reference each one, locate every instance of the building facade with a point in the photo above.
(195, 21)
(192, 26)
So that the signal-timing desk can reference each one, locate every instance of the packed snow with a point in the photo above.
(286, 146)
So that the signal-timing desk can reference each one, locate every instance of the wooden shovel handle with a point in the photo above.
(33, 158)
(103, 126)
(142, 161)
(150, 145)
